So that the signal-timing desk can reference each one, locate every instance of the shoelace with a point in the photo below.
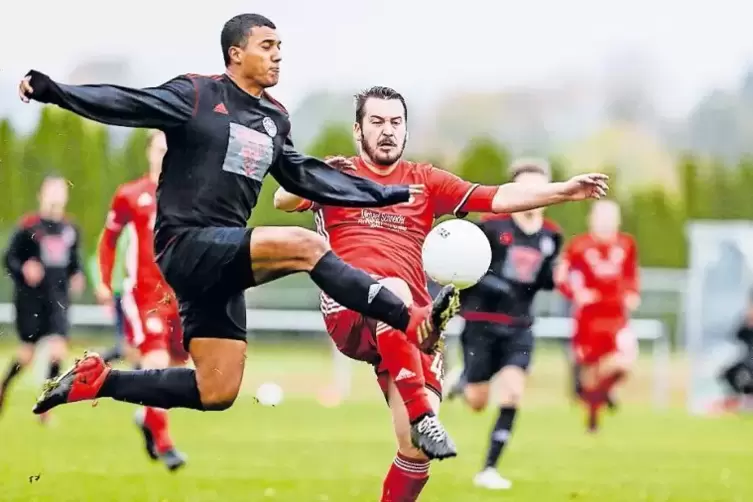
(431, 427)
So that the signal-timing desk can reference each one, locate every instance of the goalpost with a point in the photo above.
(720, 281)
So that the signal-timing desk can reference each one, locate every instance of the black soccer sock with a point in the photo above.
(54, 370)
(577, 383)
(162, 388)
(355, 289)
(13, 370)
(500, 435)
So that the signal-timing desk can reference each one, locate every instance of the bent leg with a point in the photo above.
(401, 359)
(279, 251)
(215, 331)
(24, 355)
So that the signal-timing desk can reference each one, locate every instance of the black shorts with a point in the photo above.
(489, 347)
(209, 269)
(37, 318)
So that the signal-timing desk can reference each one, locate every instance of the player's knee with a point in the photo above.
(513, 384)
(58, 348)
(399, 287)
(217, 389)
(217, 398)
(310, 245)
(511, 396)
(477, 397)
(25, 354)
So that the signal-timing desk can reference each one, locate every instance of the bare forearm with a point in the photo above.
(515, 197)
(286, 201)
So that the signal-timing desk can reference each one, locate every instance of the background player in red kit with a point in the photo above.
(152, 323)
(599, 273)
(387, 243)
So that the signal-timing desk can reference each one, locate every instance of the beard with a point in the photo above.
(380, 158)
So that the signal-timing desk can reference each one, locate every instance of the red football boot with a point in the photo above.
(427, 323)
(80, 383)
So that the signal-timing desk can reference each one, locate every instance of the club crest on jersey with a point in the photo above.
(269, 126)
(144, 200)
(69, 236)
(546, 245)
(154, 324)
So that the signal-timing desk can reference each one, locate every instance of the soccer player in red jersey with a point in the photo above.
(599, 274)
(387, 243)
(152, 323)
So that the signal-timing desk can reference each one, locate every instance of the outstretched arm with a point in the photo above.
(454, 195)
(312, 179)
(117, 217)
(169, 105)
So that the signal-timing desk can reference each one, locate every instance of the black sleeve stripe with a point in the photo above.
(462, 214)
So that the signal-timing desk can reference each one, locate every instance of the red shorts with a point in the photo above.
(596, 339)
(355, 336)
(153, 324)
(594, 348)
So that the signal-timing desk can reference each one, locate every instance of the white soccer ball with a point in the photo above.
(456, 252)
(269, 394)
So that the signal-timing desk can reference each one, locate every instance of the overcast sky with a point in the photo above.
(423, 47)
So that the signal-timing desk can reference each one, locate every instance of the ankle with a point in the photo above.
(421, 416)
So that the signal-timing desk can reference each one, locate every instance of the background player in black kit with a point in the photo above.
(224, 134)
(497, 337)
(43, 260)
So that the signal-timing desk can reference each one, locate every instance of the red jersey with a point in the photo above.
(133, 209)
(387, 242)
(609, 268)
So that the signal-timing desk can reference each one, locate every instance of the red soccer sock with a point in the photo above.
(155, 419)
(606, 383)
(405, 479)
(403, 363)
(594, 400)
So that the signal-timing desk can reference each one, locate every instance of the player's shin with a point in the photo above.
(159, 388)
(403, 363)
(405, 479)
(356, 290)
(54, 370)
(500, 435)
(13, 370)
(155, 419)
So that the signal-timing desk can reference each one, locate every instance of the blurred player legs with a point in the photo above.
(599, 274)
(43, 261)
(152, 326)
(605, 360)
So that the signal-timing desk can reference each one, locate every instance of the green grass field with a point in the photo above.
(301, 451)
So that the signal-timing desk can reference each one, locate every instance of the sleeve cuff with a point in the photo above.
(478, 199)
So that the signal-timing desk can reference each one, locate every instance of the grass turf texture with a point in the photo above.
(302, 451)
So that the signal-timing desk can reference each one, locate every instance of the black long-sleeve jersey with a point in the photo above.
(522, 264)
(55, 244)
(221, 143)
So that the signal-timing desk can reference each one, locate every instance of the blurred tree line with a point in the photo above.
(82, 152)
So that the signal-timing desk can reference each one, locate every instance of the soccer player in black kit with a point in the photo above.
(44, 263)
(224, 134)
(497, 337)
